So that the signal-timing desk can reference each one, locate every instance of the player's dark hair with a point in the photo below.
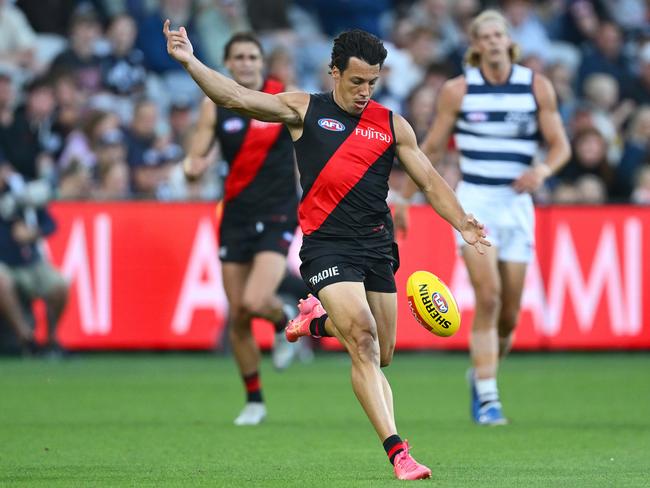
(241, 37)
(360, 44)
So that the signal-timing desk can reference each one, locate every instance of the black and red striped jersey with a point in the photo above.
(261, 179)
(344, 162)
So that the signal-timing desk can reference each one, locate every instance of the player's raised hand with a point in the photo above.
(474, 233)
(179, 46)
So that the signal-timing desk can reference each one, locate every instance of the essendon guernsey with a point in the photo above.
(344, 162)
(261, 177)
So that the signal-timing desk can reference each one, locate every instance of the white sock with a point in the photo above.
(487, 390)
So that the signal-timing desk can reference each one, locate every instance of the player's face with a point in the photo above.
(246, 65)
(492, 42)
(354, 86)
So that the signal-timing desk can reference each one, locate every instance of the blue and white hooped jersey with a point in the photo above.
(497, 132)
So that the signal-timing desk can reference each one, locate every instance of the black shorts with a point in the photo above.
(377, 275)
(240, 242)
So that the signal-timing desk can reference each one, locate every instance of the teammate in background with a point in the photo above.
(259, 215)
(345, 144)
(497, 111)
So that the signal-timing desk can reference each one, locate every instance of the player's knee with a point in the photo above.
(488, 301)
(365, 346)
(255, 306)
(238, 315)
(507, 322)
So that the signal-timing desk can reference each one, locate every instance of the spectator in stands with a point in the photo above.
(565, 193)
(27, 142)
(141, 135)
(75, 182)
(70, 105)
(591, 190)
(216, 22)
(436, 15)
(280, 65)
(113, 182)
(148, 39)
(576, 21)
(526, 29)
(561, 77)
(17, 40)
(10, 308)
(180, 119)
(420, 107)
(642, 83)
(21, 229)
(605, 55)
(589, 157)
(608, 113)
(81, 143)
(80, 58)
(636, 153)
(123, 71)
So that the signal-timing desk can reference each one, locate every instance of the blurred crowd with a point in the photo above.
(91, 103)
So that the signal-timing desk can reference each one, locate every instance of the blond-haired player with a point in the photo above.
(498, 110)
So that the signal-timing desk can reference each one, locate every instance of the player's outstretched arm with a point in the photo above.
(552, 129)
(287, 108)
(447, 106)
(436, 190)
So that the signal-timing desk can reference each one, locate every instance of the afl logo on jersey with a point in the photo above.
(331, 124)
(233, 124)
(477, 117)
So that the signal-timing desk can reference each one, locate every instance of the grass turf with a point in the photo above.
(166, 420)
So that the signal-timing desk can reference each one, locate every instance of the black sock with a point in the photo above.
(282, 323)
(253, 387)
(392, 446)
(317, 327)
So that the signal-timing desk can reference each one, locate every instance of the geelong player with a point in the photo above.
(345, 144)
(259, 215)
(497, 110)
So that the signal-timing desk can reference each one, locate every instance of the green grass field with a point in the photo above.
(166, 420)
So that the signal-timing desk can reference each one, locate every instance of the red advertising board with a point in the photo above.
(147, 275)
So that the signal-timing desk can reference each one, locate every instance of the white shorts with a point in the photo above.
(509, 219)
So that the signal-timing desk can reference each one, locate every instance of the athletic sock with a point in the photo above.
(317, 327)
(253, 388)
(393, 445)
(487, 391)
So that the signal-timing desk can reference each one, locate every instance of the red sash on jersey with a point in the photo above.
(346, 167)
(258, 141)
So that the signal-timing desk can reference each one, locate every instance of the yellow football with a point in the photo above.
(432, 304)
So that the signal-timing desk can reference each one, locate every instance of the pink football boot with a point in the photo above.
(309, 309)
(407, 468)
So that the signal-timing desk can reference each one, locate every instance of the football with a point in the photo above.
(432, 304)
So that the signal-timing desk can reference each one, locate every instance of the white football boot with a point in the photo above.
(252, 414)
(284, 352)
